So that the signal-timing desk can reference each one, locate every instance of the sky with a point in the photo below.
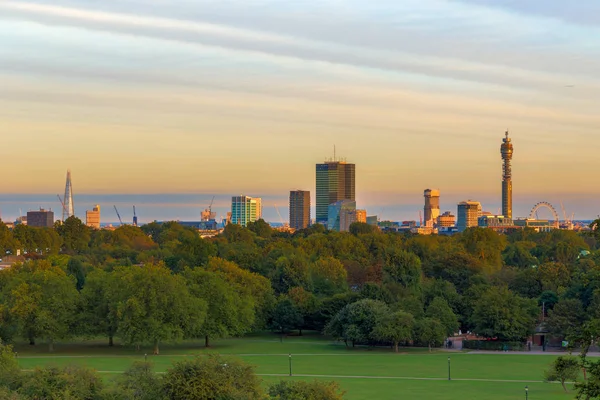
(167, 103)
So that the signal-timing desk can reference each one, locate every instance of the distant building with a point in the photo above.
(341, 215)
(361, 216)
(506, 150)
(335, 182)
(40, 219)
(299, 209)
(68, 207)
(432, 206)
(245, 209)
(92, 218)
(468, 214)
(372, 220)
(540, 225)
(208, 215)
(494, 221)
(446, 220)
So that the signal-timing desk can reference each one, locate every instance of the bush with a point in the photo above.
(300, 390)
(65, 383)
(212, 377)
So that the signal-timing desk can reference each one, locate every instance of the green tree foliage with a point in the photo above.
(360, 228)
(402, 267)
(261, 228)
(440, 310)
(10, 372)
(138, 382)
(328, 276)
(228, 313)
(566, 317)
(302, 390)
(396, 327)
(154, 306)
(486, 245)
(41, 300)
(563, 369)
(62, 383)
(502, 314)
(355, 322)
(286, 316)
(75, 235)
(212, 377)
(430, 332)
(99, 305)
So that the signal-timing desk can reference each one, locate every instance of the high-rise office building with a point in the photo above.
(40, 219)
(299, 209)
(68, 207)
(432, 206)
(245, 209)
(341, 215)
(335, 182)
(92, 218)
(468, 214)
(507, 153)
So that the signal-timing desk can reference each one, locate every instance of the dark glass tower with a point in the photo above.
(299, 209)
(507, 153)
(335, 182)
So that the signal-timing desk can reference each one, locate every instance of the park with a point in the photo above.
(363, 372)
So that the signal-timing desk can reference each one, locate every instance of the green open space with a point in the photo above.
(364, 373)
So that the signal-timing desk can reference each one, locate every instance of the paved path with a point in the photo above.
(532, 353)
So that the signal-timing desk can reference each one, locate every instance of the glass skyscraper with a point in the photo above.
(335, 182)
(245, 209)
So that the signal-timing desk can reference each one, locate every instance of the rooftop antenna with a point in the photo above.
(334, 153)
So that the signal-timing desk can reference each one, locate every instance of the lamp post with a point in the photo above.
(290, 358)
(145, 357)
(449, 369)
(526, 393)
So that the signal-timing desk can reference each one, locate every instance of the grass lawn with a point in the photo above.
(363, 373)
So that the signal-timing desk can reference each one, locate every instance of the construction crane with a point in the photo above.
(62, 203)
(134, 217)
(280, 217)
(118, 215)
(420, 218)
(210, 206)
(564, 212)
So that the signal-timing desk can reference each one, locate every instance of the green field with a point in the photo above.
(363, 373)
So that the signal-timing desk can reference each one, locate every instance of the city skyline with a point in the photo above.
(170, 95)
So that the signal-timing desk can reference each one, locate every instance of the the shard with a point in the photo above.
(68, 208)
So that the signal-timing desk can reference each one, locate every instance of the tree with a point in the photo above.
(42, 300)
(75, 235)
(440, 310)
(396, 327)
(260, 228)
(485, 244)
(356, 321)
(76, 269)
(99, 303)
(247, 283)
(286, 316)
(67, 382)
(328, 276)
(502, 314)
(403, 267)
(212, 377)
(154, 306)
(229, 312)
(138, 382)
(361, 228)
(430, 332)
(10, 372)
(566, 317)
(302, 390)
(563, 369)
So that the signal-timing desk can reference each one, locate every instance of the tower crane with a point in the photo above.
(62, 203)
(135, 221)
(279, 214)
(564, 212)
(210, 206)
(118, 215)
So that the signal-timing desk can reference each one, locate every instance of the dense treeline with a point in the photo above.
(162, 282)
